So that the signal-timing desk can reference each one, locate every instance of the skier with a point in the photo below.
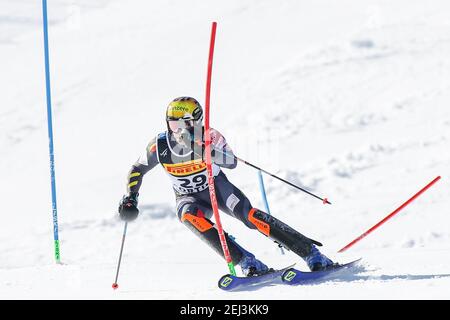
(180, 152)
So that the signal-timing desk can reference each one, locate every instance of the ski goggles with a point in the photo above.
(176, 125)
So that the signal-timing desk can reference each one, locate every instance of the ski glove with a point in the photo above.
(128, 210)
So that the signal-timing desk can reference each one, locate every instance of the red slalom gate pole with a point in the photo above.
(212, 190)
(390, 215)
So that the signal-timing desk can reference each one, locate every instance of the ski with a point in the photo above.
(293, 276)
(234, 283)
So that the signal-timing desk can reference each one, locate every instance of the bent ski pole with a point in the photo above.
(115, 285)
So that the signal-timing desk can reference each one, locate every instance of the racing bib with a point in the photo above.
(188, 172)
(188, 177)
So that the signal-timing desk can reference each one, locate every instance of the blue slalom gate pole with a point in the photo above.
(264, 196)
(50, 133)
(263, 191)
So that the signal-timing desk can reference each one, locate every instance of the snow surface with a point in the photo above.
(349, 98)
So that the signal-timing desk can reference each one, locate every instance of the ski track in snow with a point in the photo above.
(357, 113)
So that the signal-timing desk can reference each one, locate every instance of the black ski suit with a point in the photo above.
(188, 172)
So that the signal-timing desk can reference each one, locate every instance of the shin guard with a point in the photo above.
(281, 233)
(206, 231)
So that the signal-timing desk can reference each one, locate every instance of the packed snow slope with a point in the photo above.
(349, 99)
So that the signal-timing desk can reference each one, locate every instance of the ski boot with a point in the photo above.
(317, 261)
(250, 266)
(290, 239)
(253, 267)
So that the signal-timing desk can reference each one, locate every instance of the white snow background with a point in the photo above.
(349, 99)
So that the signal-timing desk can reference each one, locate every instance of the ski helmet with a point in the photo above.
(183, 112)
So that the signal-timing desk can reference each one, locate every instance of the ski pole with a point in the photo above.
(115, 285)
(324, 200)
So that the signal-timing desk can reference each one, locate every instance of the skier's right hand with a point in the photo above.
(128, 210)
